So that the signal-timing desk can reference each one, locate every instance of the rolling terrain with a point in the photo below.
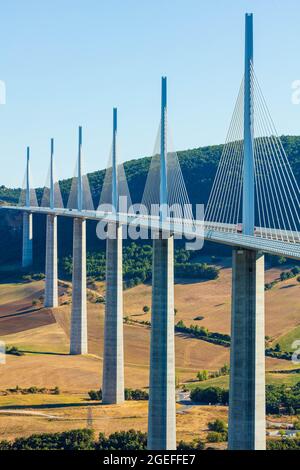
(43, 336)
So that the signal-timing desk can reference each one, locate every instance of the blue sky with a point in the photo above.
(68, 62)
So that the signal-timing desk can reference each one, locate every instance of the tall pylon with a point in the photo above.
(162, 412)
(163, 151)
(27, 245)
(79, 175)
(51, 174)
(27, 197)
(113, 361)
(247, 424)
(51, 282)
(249, 173)
(115, 192)
(79, 340)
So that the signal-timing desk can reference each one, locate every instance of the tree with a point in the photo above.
(79, 439)
(202, 375)
(210, 395)
(124, 440)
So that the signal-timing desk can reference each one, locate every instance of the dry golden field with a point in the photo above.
(43, 335)
(30, 419)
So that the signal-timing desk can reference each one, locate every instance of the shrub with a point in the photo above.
(13, 350)
(216, 437)
(283, 444)
(136, 394)
(295, 270)
(297, 425)
(202, 375)
(197, 444)
(5, 445)
(38, 276)
(270, 285)
(95, 395)
(218, 426)
(182, 445)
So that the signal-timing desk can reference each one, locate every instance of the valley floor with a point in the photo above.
(43, 336)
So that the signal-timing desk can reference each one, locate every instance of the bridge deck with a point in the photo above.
(264, 239)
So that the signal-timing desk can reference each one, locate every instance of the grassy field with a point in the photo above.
(286, 341)
(223, 382)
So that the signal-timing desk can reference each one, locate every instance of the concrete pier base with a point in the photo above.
(78, 341)
(51, 294)
(27, 240)
(247, 423)
(113, 362)
(162, 403)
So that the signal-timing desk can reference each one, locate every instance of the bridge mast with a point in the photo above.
(163, 150)
(247, 425)
(51, 176)
(27, 198)
(78, 337)
(114, 162)
(79, 175)
(248, 183)
(113, 357)
(51, 282)
(27, 220)
(162, 411)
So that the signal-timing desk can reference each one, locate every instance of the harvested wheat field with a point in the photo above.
(43, 336)
(212, 301)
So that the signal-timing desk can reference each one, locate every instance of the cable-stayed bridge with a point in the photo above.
(253, 206)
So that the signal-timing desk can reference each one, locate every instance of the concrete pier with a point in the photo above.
(51, 294)
(113, 362)
(162, 403)
(247, 424)
(27, 240)
(78, 341)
